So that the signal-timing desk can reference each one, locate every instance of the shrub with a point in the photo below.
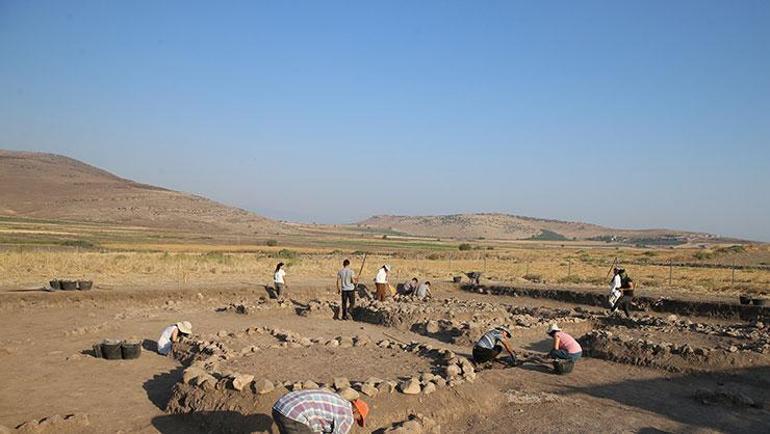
(704, 255)
(546, 235)
(434, 256)
(465, 246)
(271, 243)
(286, 254)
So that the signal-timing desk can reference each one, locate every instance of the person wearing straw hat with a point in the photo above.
(318, 411)
(171, 334)
(565, 347)
(491, 345)
(381, 283)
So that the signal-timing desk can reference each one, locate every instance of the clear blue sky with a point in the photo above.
(628, 114)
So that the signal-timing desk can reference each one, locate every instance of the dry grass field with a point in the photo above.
(136, 265)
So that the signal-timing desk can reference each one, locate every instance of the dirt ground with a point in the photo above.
(47, 370)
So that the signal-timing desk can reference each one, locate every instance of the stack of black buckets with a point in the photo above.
(112, 349)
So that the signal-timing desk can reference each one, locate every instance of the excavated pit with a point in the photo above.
(714, 309)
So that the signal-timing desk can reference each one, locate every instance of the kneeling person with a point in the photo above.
(491, 345)
(171, 334)
(565, 347)
(316, 410)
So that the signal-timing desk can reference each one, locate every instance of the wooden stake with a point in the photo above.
(733, 279)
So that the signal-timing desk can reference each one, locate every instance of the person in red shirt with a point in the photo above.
(565, 347)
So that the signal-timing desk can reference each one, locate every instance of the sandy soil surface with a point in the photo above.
(47, 371)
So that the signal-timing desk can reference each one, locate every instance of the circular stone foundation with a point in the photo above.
(321, 364)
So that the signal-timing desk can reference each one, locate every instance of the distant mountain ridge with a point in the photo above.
(513, 227)
(42, 185)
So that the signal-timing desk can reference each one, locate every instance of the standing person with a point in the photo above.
(346, 287)
(318, 411)
(565, 347)
(423, 291)
(622, 291)
(279, 279)
(491, 345)
(381, 282)
(171, 334)
(615, 283)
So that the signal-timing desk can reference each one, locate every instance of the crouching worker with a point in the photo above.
(317, 411)
(171, 334)
(491, 345)
(565, 347)
(423, 291)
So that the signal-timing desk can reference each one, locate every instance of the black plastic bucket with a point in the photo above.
(55, 284)
(457, 279)
(745, 299)
(98, 351)
(563, 367)
(131, 349)
(85, 285)
(68, 285)
(112, 349)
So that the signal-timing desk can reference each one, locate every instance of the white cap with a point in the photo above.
(386, 267)
(184, 327)
(553, 328)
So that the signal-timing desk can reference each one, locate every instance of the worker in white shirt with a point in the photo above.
(381, 282)
(279, 279)
(615, 284)
(621, 291)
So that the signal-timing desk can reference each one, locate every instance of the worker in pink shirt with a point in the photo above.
(565, 347)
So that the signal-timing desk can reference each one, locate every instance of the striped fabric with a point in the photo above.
(322, 411)
(490, 339)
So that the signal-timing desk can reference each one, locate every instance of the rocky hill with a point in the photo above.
(52, 186)
(512, 227)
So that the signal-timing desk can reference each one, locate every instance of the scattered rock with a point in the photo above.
(263, 386)
(429, 388)
(349, 393)
(369, 390)
(452, 371)
(341, 383)
(386, 387)
(410, 387)
(432, 327)
(242, 381)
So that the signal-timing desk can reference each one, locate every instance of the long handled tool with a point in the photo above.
(612, 266)
(362, 266)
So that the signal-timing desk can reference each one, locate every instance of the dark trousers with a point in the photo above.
(348, 303)
(483, 355)
(561, 354)
(289, 426)
(623, 302)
